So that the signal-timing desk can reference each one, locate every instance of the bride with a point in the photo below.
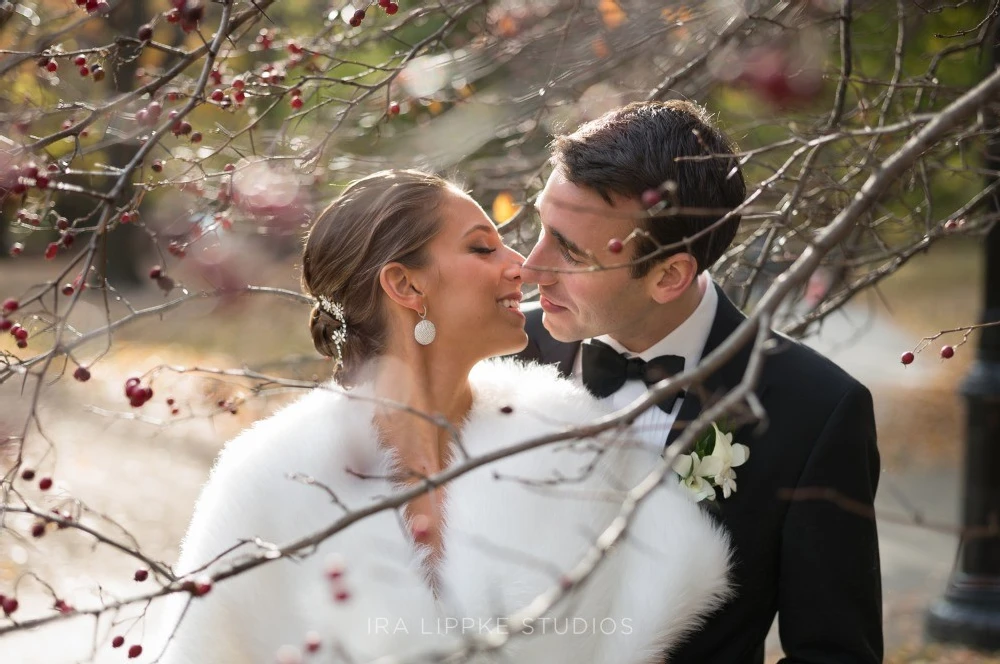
(414, 291)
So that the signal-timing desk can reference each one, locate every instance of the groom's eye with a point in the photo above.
(568, 257)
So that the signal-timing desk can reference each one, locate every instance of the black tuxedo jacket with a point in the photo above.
(812, 560)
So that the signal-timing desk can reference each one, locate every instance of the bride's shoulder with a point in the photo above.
(510, 386)
(311, 425)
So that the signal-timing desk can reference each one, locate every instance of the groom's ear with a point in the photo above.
(670, 278)
(398, 283)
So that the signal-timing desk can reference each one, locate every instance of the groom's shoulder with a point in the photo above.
(796, 366)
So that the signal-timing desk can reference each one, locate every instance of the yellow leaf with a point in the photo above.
(504, 207)
(611, 13)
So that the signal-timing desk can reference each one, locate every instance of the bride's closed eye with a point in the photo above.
(482, 250)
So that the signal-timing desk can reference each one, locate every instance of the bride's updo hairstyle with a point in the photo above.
(388, 216)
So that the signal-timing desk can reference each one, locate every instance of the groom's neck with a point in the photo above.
(661, 319)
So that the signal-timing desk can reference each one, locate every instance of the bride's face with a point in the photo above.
(474, 284)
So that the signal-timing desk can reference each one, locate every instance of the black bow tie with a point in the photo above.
(605, 370)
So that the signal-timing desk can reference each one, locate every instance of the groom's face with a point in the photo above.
(577, 226)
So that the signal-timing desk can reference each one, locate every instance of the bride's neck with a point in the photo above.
(427, 381)
(436, 386)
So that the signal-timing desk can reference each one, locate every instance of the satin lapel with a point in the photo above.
(727, 319)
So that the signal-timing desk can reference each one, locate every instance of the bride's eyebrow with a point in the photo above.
(479, 227)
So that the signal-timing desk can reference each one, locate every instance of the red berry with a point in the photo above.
(947, 352)
(62, 223)
(134, 651)
(80, 60)
(392, 8)
(130, 384)
(155, 272)
(62, 607)
(312, 642)
(394, 108)
(218, 94)
(84, 72)
(17, 249)
(51, 250)
(359, 15)
(118, 641)
(170, 401)
(52, 66)
(294, 48)
(141, 575)
(384, 3)
(67, 238)
(67, 289)
(238, 83)
(27, 474)
(145, 32)
(173, 16)
(97, 72)
(21, 343)
(615, 245)
(10, 305)
(45, 483)
(239, 97)
(174, 411)
(154, 109)
(6, 324)
(341, 595)
(907, 358)
(196, 137)
(9, 605)
(82, 374)
(157, 166)
(229, 168)
(127, 218)
(38, 529)
(184, 127)
(650, 197)
(20, 333)
(296, 102)
(42, 182)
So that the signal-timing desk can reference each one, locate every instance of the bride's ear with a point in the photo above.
(398, 283)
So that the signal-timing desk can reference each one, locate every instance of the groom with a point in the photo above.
(806, 556)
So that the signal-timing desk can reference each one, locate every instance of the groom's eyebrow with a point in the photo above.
(567, 244)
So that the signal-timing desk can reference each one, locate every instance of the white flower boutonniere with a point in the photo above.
(710, 465)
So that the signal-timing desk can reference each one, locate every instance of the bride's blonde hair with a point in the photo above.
(388, 216)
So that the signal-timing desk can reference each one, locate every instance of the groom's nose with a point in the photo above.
(533, 271)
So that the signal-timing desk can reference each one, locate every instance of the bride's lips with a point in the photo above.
(511, 303)
(550, 307)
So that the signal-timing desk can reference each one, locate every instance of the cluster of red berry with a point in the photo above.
(92, 6)
(946, 352)
(19, 179)
(10, 305)
(133, 651)
(188, 14)
(136, 393)
(335, 573)
(389, 6)
(92, 69)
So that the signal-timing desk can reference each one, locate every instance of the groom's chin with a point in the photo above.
(551, 323)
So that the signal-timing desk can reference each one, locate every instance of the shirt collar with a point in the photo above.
(689, 338)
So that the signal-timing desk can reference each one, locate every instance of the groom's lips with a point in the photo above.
(548, 306)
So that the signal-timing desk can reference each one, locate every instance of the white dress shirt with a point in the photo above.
(687, 340)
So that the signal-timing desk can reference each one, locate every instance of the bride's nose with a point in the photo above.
(512, 270)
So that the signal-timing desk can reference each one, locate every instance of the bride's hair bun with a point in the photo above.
(389, 216)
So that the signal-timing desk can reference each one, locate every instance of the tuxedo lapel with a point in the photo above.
(727, 319)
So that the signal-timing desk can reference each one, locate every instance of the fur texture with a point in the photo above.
(511, 528)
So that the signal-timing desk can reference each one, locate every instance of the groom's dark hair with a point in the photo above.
(648, 145)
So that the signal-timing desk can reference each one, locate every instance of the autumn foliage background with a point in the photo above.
(159, 163)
